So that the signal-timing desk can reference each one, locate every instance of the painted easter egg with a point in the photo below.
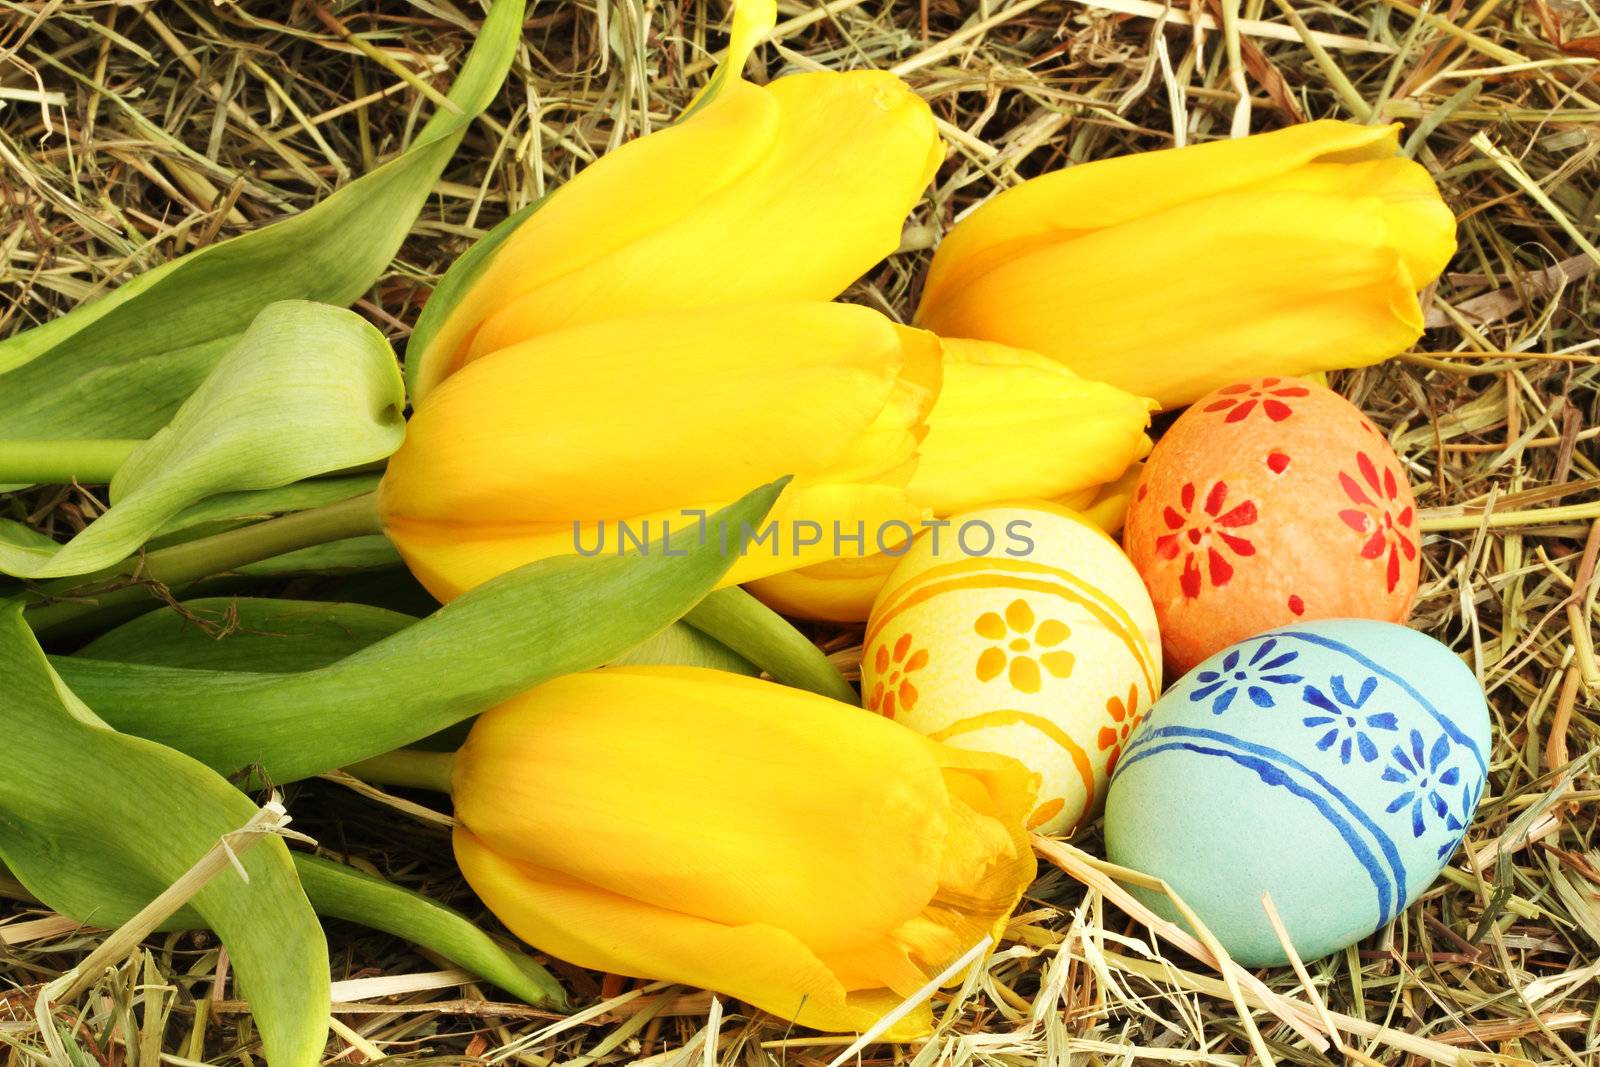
(1269, 502)
(1333, 764)
(1021, 630)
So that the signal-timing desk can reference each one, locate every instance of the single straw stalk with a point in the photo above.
(271, 818)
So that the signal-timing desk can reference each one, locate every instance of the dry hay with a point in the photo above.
(133, 132)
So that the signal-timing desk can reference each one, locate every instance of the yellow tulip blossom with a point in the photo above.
(783, 192)
(1008, 424)
(1171, 273)
(835, 590)
(677, 823)
(1013, 423)
(599, 437)
(1106, 505)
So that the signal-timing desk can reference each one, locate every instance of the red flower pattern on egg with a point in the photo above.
(1241, 399)
(1202, 535)
(1384, 521)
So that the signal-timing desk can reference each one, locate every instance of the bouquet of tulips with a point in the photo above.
(639, 418)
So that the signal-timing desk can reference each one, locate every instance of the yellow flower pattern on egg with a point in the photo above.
(1023, 668)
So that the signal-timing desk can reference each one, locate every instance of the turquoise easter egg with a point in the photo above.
(1333, 764)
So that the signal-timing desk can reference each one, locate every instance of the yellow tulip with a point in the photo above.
(1171, 273)
(783, 192)
(835, 590)
(1008, 424)
(1107, 505)
(1012, 423)
(597, 437)
(695, 826)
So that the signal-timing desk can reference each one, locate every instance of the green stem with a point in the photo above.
(766, 639)
(408, 767)
(201, 558)
(89, 462)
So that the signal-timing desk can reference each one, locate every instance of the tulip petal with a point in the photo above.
(1422, 228)
(752, 21)
(758, 963)
(1176, 304)
(1092, 196)
(1107, 505)
(1010, 423)
(631, 416)
(814, 185)
(836, 590)
(887, 450)
(679, 166)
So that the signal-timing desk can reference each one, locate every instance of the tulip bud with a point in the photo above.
(788, 191)
(1171, 273)
(1012, 423)
(601, 438)
(675, 823)
(1008, 424)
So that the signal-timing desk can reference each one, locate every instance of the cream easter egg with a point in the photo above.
(1270, 502)
(1021, 630)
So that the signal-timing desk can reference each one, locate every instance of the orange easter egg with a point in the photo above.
(1269, 502)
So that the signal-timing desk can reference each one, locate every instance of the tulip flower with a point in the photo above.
(1171, 273)
(1008, 424)
(1012, 423)
(1107, 505)
(816, 861)
(599, 438)
(783, 192)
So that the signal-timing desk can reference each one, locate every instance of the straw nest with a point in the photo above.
(131, 133)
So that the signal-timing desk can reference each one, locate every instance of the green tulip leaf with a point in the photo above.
(227, 510)
(120, 366)
(352, 554)
(22, 545)
(96, 824)
(308, 389)
(754, 632)
(282, 636)
(457, 280)
(681, 645)
(247, 634)
(342, 892)
(546, 619)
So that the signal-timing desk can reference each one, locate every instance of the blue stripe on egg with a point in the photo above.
(1273, 767)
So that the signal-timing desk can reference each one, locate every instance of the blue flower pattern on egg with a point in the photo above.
(1257, 677)
(1457, 818)
(1425, 779)
(1344, 727)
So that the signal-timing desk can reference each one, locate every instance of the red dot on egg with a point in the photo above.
(1277, 462)
(1297, 605)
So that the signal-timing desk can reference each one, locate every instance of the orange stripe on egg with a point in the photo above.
(1018, 574)
(1009, 717)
